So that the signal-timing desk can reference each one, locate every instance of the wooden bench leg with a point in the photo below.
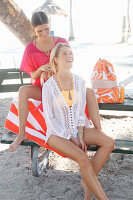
(37, 168)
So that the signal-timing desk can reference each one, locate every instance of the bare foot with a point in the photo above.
(14, 145)
(87, 195)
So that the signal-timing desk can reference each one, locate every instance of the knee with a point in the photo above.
(24, 92)
(83, 161)
(111, 144)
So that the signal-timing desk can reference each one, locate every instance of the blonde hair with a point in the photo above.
(53, 64)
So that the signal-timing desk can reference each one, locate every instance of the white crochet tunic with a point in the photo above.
(62, 120)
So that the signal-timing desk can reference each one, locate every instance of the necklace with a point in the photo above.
(68, 94)
(51, 45)
(47, 52)
(61, 84)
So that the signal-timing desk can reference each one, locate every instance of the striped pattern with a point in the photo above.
(35, 125)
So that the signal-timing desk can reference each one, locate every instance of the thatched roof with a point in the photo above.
(50, 8)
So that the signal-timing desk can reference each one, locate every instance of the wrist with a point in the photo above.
(80, 135)
(40, 70)
(81, 131)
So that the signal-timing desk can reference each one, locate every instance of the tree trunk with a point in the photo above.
(16, 21)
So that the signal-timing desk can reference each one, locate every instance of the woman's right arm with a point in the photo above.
(27, 64)
(36, 74)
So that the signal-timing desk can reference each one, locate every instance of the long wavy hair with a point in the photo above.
(52, 63)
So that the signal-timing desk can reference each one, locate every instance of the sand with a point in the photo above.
(61, 179)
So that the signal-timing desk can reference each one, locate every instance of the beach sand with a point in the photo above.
(61, 179)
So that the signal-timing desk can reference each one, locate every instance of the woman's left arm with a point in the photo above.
(93, 108)
(82, 116)
(82, 99)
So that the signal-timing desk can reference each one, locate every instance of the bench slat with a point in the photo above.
(10, 137)
(12, 74)
(122, 146)
(11, 87)
(126, 106)
(10, 70)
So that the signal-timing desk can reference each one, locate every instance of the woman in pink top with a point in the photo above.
(35, 61)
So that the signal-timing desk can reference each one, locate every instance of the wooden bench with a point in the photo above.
(122, 146)
(126, 106)
(12, 74)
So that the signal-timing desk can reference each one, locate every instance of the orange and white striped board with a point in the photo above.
(36, 128)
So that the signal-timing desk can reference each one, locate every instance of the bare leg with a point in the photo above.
(73, 152)
(106, 144)
(25, 92)
(93, 109)
(87, 192)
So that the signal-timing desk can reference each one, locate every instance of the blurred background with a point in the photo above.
(95, 29)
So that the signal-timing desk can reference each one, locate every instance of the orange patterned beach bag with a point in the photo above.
(104, 83)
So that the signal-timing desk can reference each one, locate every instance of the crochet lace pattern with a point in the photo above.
(70, 115)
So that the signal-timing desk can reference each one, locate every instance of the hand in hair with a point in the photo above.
(44, 68)
(46, 73)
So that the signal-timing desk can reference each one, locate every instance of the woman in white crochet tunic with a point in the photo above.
(64, 101)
